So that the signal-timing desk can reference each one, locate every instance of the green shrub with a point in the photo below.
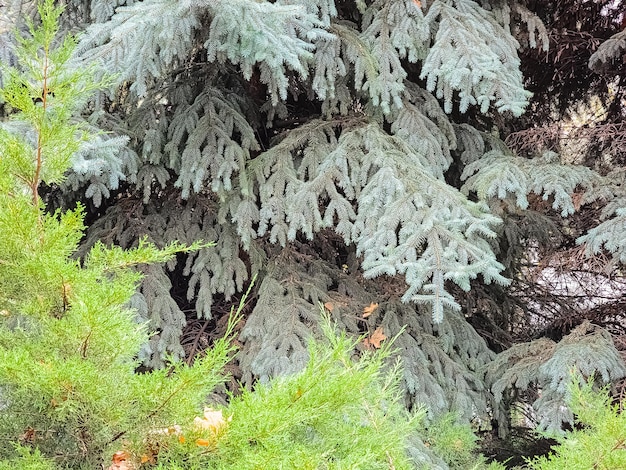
(27, 459)
(599, 440)
(455, 443)
(336, 413)
(68, 343)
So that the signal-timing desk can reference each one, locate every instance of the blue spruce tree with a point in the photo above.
(349, 154)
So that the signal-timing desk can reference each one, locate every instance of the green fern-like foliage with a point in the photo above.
(336, 412)
(598, 442)
(302, 417)
(27, 459)
(215, 270)
(68, 341)
(456, 444)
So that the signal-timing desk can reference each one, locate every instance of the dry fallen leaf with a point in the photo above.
(329, 306)
(203, 442)
(367, 311)
(213, 420)
(120, 456)
(377, 337)
(29, 435)
(121, 461)
(577, 200)
(151, 452)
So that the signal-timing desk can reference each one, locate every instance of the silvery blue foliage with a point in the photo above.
(309, 137)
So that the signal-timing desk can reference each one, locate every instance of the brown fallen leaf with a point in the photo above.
(121, 461)
(377, 337)
(577, 200)
(367, 311)
(329, 306)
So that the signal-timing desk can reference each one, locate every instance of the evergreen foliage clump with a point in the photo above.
(334, 413)
(343, 170)
(455, 444)
(70, 394)
(27, 459)
(68, 342)
(337, 412)
(597, 441)
(548, 365)
(351, 154)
